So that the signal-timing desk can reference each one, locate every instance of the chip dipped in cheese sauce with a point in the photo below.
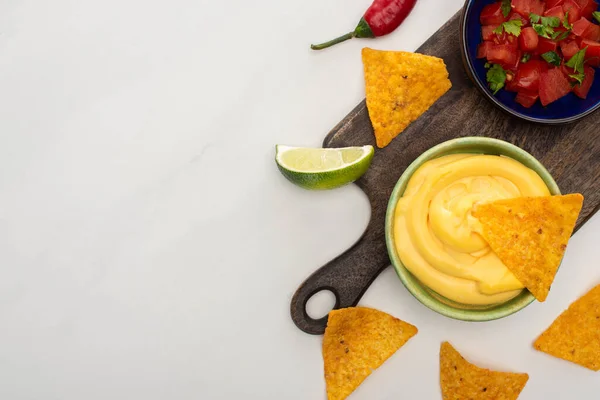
(437, 238)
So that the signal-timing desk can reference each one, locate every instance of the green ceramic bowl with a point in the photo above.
(428, 297)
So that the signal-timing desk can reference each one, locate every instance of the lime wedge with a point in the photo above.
(320, 169)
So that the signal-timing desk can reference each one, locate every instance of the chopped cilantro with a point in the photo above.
(506, 8)
(566, 23)
(544, 26)
(552, 22)
(542, 30)
(558, 36)
(596, 15)
(576, 62)
(496, 77)
(578, 77)
(512, 27)
(487, 65)
(534, 18)
(552, 57)
(525, 58)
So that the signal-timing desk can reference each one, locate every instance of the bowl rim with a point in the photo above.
(469, 67)
(410, 282)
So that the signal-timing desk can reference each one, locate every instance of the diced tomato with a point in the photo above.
(487, 31)
(555, 12)
(546, 45)
(585, 29)
(583, 89)
(529, 39)
(592, 54)
(512, 41)
(526, 7)
(567, 71)
(571, 7)
(511, 83)
(569, 48)
(593, 47)
(506, 39)
(528, 74)
(483, 48)
(592, 32)
(499, 38)
(587, 7)
(536, 78)
(513, 67)
(580, 26)
(526, 98)
(492, 14)
(553, 86)
(515, 15)
(502, 54)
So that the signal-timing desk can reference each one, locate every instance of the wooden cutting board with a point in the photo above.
(570, 152)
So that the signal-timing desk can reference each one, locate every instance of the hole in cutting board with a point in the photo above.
(320, 303)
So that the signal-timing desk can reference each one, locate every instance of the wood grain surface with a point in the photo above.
(571, 153)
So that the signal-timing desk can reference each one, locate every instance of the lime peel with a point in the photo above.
(323, 168)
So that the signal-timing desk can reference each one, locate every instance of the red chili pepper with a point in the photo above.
(380, 19)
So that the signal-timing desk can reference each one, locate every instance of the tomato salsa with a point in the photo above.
(540, 49)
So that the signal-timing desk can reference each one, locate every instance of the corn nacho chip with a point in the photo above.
(400, 87)
(357, 341)
(575, 335)
(530, 235)
(462, 380)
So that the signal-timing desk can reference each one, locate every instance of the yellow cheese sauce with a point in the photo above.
(438, 239)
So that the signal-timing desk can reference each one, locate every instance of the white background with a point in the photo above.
(149, 247)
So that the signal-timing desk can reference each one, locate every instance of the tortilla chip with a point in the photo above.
(530, 235)
(400, 87)
(575, 335)
(462, 380)
(357, 341)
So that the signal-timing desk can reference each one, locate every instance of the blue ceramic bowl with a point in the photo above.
(568, 109)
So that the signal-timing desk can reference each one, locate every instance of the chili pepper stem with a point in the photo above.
(340, 39)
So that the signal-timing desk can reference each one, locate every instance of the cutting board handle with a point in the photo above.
(348, 276)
